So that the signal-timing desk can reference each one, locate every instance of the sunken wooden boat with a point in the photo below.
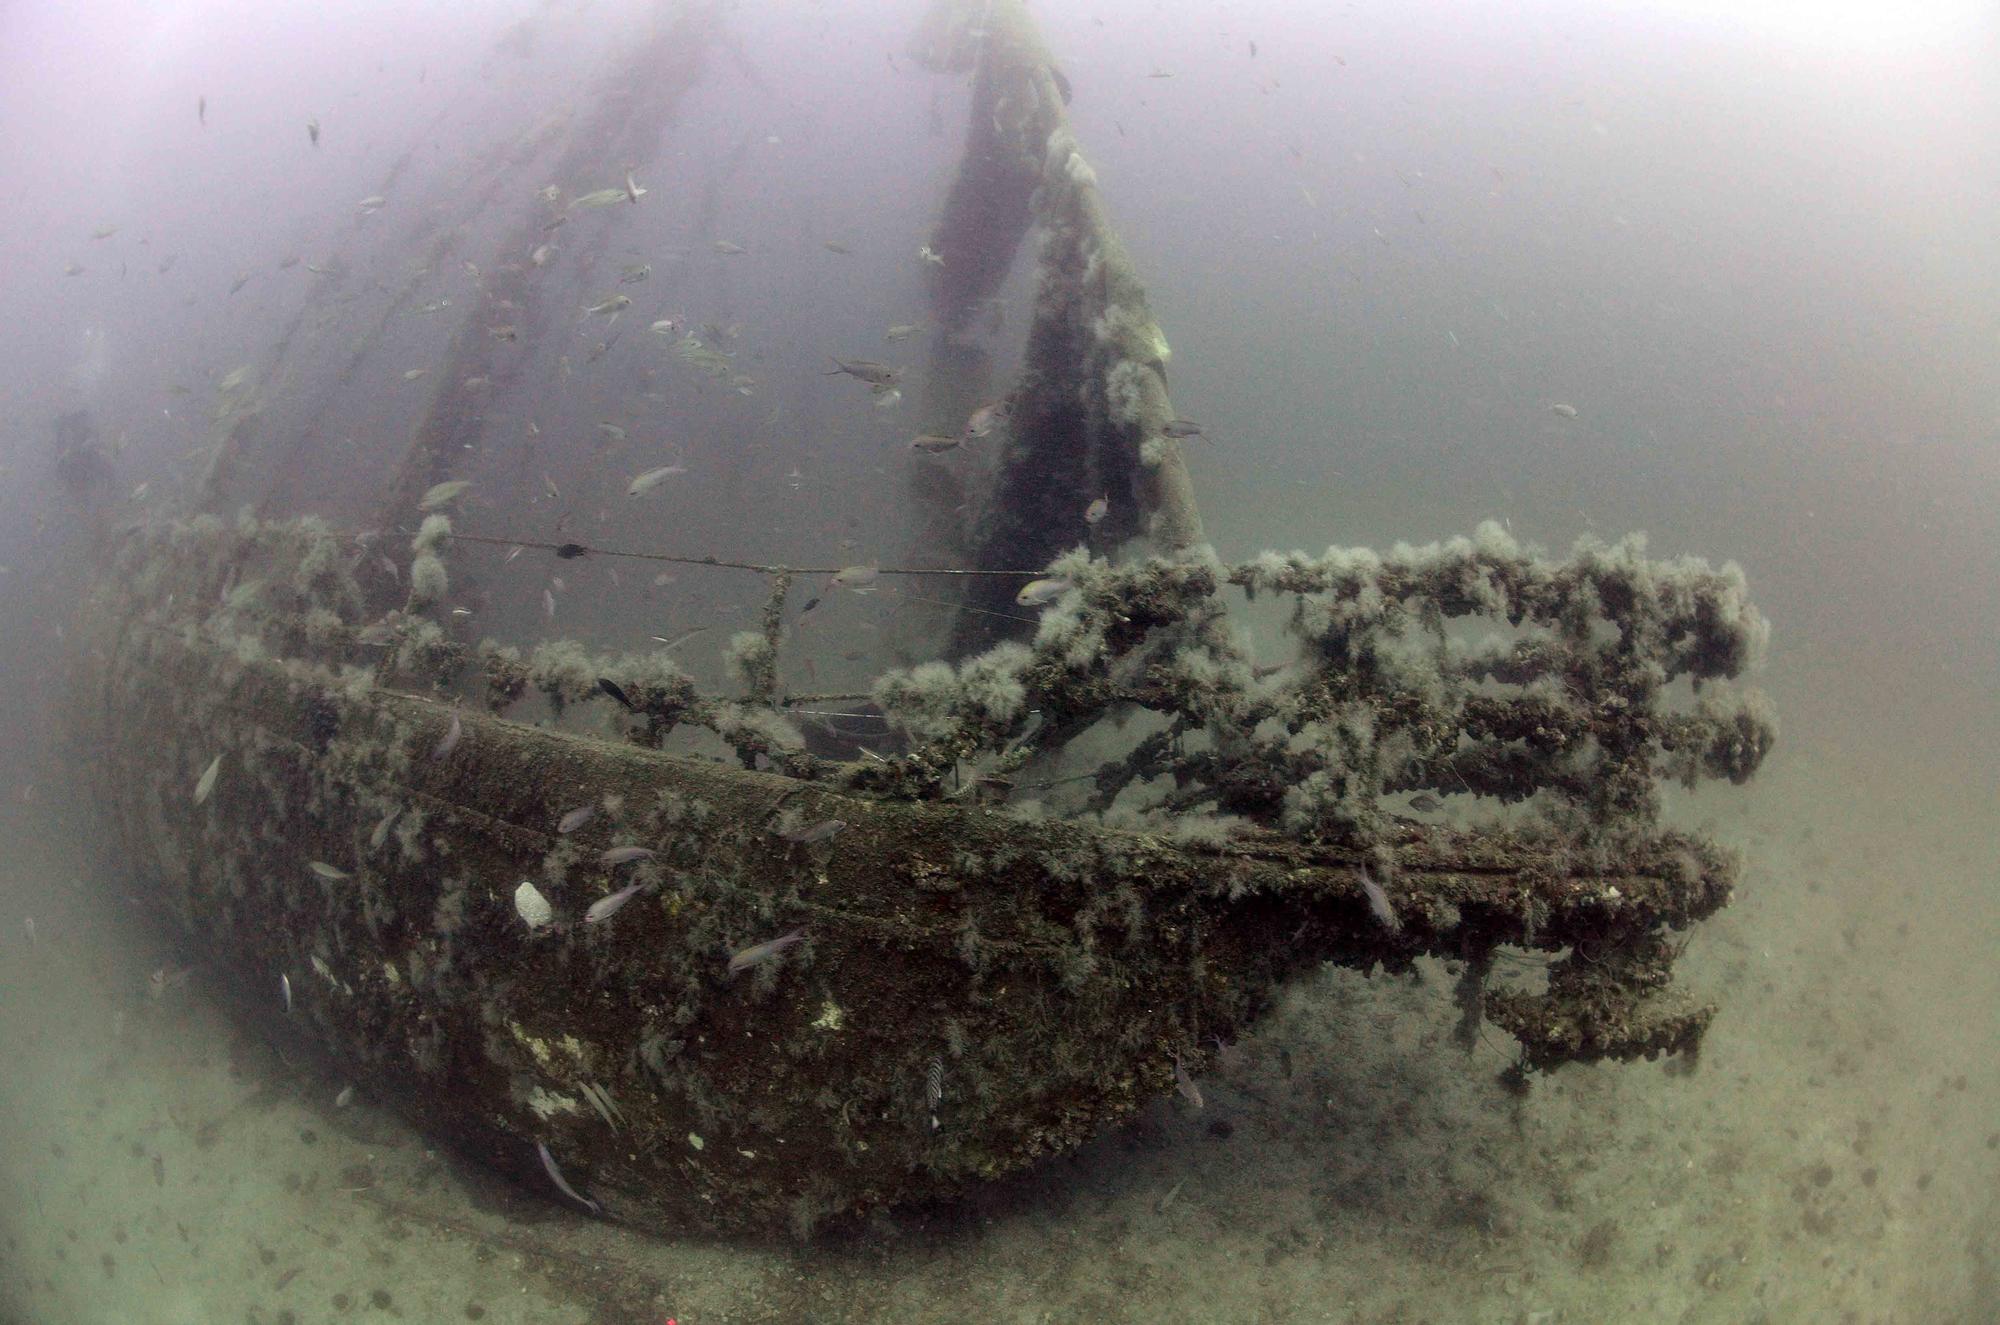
(1084, 855)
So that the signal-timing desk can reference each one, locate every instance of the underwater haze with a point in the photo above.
(1723, 274)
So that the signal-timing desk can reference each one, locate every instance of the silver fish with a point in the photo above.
(1563, 411)
(932, 444)
(617, 303)
(633, 189)
(874, 374)
(1185, 1084)
(556, 1177)
(576, 818)
(606, 907)
(285, 987)
(982, 420)
(1181, 428)
(441, 494)
(373, 203)
(635, 273)
(331, 873)
(616, 856)
(206, 783)
(1037, 593)
(652, 478)
(1425, 803)
(858, 578)
(812, 833)
(450, 740)
(602, 198)
(1094, 513)
(765, 951)
(1378, 901)
(345, 1097)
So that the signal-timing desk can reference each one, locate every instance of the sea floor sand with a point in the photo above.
(1835, 1155)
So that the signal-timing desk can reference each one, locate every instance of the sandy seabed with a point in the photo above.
(1834, 1156)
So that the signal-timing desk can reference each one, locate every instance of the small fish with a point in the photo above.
(760, 953)
(370, 205)
(443, 494)
(835, 246)
(1378, 901)
(875, 374)
(860, 579)
(548, 603)
(1185, 1084)
(242, 279)
(600, 198)
(812, 833)
(985, 417)
(331, 873)
(285, 987)
(612, 430)
(412, 374)
(633, 189)
(381, 833)
(930, 255)
(887, 397)
(104, 232)
(606, 907)
(549, 193)
(576, 819)
(507, 331)
(1037, 593)
(1563, 411)
(556, 1177)
(312, 130)
(617, 856)
(1425, 803)
(653, 478)
(543, 252)
(1094, 513)
(28, 923)
(531, 906)
(933, 444)
(666, 326)
(902, 331)
(206, 783)
(1181, 428)
(635, 273)
(73, 269)
(616, 691)
(728, 249)
(345, 1097)
(450, 740)
(617, 303)
(201, 110)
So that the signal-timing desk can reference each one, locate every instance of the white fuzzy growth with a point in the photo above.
(749, 658)
(431, 534)
(531, 906)
(428, 581)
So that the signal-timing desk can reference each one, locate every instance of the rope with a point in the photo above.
(573, 550)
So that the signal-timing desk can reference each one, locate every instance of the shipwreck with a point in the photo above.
(1058, 866)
